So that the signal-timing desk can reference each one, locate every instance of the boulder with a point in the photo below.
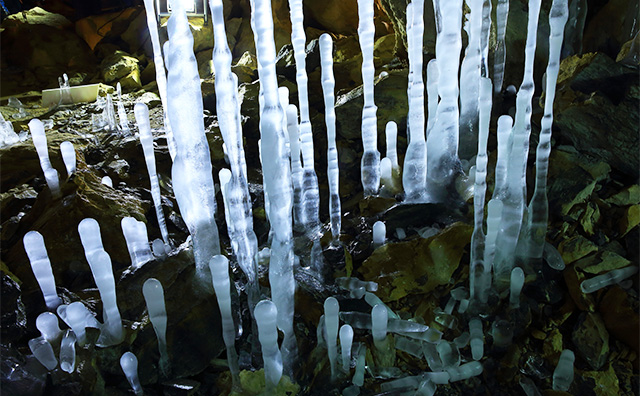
(123, 68)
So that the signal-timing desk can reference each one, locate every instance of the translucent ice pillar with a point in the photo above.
(68, 157)
(346, 339)
(379, 321)
(154, 298)
(122, 113)
(477, 338)
(40, 143)
(331, 321)
(48, 326)
(538, 213)
(129, 365)
(41, 266)
(607, 279)
(43, 352)
(219, 266)
(277, 179)
(161, 77)
(328, 85)
(266, 314)
(191, 171)
(370, 164)
(415, 160)
(442, 142)
(517, 281)
(379, 234)
(141, 112)
(68, 351)
(78, 317)
(135, 233)
(563, 374)
(500, 55)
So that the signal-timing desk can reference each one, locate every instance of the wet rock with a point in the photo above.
(14, 321)
(246, 68)
(591, 339)
(628, 196)
(630, 219)
(602, 262)
(620, 315)
(21, 376)
(612, 25)
(604, 382)
(123, 68)
(575, 248)
(417, 266)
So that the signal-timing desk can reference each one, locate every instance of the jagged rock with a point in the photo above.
(592, 89)
(591, 339)
(629, 53)
(603, 382)
(602, 262)
(619, 311)
(123, 68)
(205, 63)
(14, 321)
(28, 376)
(425, 263)
(628, 196)
(630, 219)
(246, 68)
(575, 248)
(611, 26)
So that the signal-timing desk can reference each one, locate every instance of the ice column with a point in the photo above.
(219, 266)
(333, 172)
(415, 160)
(296, 164)
(106, 180)
(191, 171)
(129, 364)
(514, 202)
(479, 275)
(432, 94)
(277, 177)
(141, 112)
(477, 338)
(442, 143)
(43, 352)
(41, 266)
(48, 326)
(607, 279)
(68, 157)
(100, 263)
(161, 77)
(563, 374)
(379, 234)
(538, 213)
(310, 191)
(391, 136)
(470, 82)
(68, 351)
(379, 320)
(78, 317)
(465, 371)
(331, 322)
(135, 233)
(154, 298)
(40, 143)
(122, 113)
(346, 339)
(266, 316)
(370, 164)
(517, 281)
(500, 55)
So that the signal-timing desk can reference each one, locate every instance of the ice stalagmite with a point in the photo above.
(607, 279)
(68, 351)
(517, 281)
(296, 164)
(191, 171)
(161, 77)
(41, 266)
(500, 54)
(370, 164)
(391, 138)
(219, 266)
(538, 213)
(43, 352)
(479, 273)
(310, 191)
(563, 374)
(331, 321)
(40, 142)
(68, 157)
(48, 326)
(141, 112)
(100, 263)
(77, 316)
(432, 94)
(122, 113)
(333, 172)
(236, 192)
(129, 365)
(266, 313)
(346, 340)
(470, 82)
(135, 233)
(277, 180)
(154, 298)
(442, 142)
(514, 202)
(415, 161)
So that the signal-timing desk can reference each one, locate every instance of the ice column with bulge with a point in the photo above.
(266, 314)
(370, 164)
(41, 266)
(191, 171)
(141, 112)
(154, 298)
(100, 263)
(135, 233)
(40, 142)
(277, 178)
(333, 172)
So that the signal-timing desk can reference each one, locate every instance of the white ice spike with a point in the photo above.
(40, 142)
